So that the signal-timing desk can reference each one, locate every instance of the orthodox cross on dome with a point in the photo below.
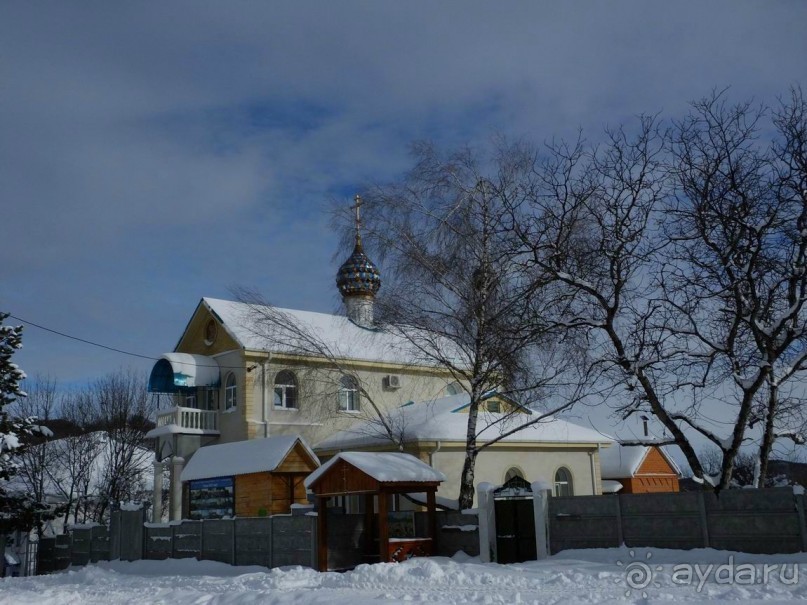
(358, 279)
(357, 209)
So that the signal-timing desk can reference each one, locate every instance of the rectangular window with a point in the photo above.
(348, 400)
(285, 397)
(229, 397)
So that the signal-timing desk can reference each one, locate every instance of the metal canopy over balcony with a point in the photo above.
(176, 372)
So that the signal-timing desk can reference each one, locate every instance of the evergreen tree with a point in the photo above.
(18, 510)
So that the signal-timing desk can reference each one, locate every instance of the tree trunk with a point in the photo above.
(466, 497)
(768, 436)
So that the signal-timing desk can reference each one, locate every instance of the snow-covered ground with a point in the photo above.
(581, 576)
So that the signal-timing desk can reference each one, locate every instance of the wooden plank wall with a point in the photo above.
(274, 492)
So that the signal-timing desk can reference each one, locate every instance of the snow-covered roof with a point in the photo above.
(341, 337)
(443, 420)
(241, 457)
(385, 467)
(609, 486)
(622, 461)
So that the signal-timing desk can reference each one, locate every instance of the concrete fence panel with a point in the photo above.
(253, 541)
(62, 555)
(218, 541)
(756, 521)
(187, 540)
(159, 541)
(81, 545)
(293, 541)
(583, 522)
(99, 547)
(46, 556)
(455, 531)
(666, 520)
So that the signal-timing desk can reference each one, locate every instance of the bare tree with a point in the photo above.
(683, 253)
(589, 225)
(745, 468)
(77, 458)
(456, 292)
(736, 273)
(122, 408)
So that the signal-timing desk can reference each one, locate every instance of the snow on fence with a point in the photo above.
(747, 520)
(269, 541)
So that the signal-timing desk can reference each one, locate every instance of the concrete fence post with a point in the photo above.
(314, 543)
(114, 535)
(704, 519)
(271, 522)
(540, 510)
(234, 544)
(487, 522)
(799, 498)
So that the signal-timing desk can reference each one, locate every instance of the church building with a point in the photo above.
(244, 371)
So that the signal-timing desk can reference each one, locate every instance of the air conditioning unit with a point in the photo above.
(392, 382)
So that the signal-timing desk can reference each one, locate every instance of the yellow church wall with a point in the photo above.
(194, 338)
(536, 463)
(317, 415)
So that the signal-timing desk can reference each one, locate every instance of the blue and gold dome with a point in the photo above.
(358, 276)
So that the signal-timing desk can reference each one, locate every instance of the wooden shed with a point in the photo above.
(639, 469)
(251, 478)
(376, 476)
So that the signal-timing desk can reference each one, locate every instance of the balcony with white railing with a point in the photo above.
(188, 420)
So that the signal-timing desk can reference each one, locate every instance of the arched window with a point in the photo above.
(230, 392)
(563, 482)
(455, 388)
(513, 471)
(348, 394)
(286, 390)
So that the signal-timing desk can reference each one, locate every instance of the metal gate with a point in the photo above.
(31, 558)
(515, 522)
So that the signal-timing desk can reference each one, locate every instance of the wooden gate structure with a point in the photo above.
(375, 476)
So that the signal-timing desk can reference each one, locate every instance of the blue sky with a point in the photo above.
(154, 153)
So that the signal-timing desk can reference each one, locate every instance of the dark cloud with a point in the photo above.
(151, 154)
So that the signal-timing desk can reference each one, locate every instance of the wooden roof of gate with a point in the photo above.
(360, 473)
